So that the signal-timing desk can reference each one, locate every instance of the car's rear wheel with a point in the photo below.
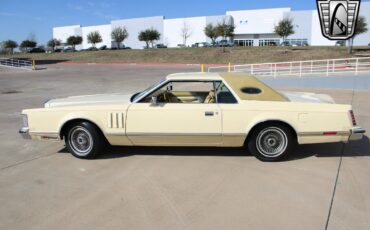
(83, 140)
(271, 142)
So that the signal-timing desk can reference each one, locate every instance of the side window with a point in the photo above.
(224, 96)
(184, 92)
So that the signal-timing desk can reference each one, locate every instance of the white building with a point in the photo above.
(252, 28)
(134, 26)
(174, 29)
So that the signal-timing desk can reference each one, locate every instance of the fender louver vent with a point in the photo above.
(116, 120)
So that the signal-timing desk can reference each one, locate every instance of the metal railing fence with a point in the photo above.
(300, 68)
(17, 63)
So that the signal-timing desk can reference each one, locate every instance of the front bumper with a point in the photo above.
(356, 133)
(24, 132)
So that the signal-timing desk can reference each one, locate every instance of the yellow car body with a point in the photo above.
(132, 121)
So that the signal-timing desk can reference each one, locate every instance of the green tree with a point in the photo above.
(94, 37)
(361, 27)
(144, 37)
(211, 32)
(225, 29)
(10, 45)
(52, 43)
(74, 40)
(149, 36)
(26, 45)
(284, 28)
(118, 35)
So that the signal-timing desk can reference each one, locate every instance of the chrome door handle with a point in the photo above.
(209, 113)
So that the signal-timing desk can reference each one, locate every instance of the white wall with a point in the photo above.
(317, 38)
(173, 28)
(104, 31)
(134, 26)
(247, 24)
(302, 21)
(63, 32)
(214, 20)
(257, 21)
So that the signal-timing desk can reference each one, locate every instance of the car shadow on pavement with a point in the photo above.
(116, 152)
(352, 149)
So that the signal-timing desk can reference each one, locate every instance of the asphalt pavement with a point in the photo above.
(44, 187)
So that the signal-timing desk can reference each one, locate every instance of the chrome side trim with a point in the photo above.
(357, 133)
(339, 133)
(173, 134)
(176, 134)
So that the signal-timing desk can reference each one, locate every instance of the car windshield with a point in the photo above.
(148, 89)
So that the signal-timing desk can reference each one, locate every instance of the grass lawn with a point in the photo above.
(235, 55)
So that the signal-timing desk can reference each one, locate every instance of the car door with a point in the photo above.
(234, 117)
(179, 123)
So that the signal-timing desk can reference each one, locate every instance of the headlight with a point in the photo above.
(25, 120)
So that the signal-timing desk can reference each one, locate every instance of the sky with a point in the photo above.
(20, 19)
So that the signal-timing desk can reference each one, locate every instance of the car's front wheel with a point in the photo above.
(83, 140)
(271, 142)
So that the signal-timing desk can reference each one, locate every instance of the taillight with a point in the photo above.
(353, 118)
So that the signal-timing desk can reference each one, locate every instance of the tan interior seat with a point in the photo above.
(210, 98)
(172, 98)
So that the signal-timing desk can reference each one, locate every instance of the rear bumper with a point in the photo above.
(356, 133)
(24, 132)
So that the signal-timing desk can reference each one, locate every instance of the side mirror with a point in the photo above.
(154, 100)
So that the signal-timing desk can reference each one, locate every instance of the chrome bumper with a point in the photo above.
(24, 132)
(356, 134)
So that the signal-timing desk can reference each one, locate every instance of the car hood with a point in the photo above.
(308, 97)
(99, 99)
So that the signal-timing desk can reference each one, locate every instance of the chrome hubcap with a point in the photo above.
(80, 140)
(272, 142)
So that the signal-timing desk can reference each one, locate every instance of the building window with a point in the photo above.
(269, 42)
(243, 42)
(298, 42)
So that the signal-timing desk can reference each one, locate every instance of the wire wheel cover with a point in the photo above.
(80, 140)
(272, 142)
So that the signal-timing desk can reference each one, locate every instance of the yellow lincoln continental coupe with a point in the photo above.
(195, 109)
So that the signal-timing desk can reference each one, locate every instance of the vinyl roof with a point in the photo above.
(241, 83)
(196, 76)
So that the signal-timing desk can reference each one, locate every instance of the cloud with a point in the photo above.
(90, 8)
(8, 14)
(103, 15)
(75, 7)
(106, 4)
